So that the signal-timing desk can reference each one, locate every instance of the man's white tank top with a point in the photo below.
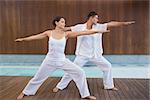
(56, 48)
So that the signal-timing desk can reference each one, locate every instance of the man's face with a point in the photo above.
(95, 19)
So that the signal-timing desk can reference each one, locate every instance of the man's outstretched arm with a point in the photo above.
(117, 24)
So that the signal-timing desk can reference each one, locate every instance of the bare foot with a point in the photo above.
(20, 96)
(55, 90)
(114, 89)
(90, 97)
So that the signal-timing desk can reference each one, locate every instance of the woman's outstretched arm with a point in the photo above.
(70, 34)
(33, 37)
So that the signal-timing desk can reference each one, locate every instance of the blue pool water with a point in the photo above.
(125, 71)
(122, 66)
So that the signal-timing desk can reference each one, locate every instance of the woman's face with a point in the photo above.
(61, 24)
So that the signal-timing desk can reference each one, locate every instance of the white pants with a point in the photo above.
(101, 62)
(47, 67)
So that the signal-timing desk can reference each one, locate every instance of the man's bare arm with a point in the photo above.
(117, 24)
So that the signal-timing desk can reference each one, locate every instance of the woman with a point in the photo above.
(55, 59)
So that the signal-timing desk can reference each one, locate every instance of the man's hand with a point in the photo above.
(128, 23)
(67, 29)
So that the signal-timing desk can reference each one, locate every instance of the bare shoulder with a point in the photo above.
(48, 32)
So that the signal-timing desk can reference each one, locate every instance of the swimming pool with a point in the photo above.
(27, 65)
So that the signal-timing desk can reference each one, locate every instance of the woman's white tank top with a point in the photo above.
(56, 48)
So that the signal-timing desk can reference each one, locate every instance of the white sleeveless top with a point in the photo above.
(56, 48)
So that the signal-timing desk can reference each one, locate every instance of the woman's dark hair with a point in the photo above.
(91, 14)
(57, 19)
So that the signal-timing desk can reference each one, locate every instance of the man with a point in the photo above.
(89, 48)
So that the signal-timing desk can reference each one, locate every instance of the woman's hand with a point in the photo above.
(19, 40)
(34, 37)
(100, 31)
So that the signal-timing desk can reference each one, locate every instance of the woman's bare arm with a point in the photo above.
(88, 32)
(33, 37)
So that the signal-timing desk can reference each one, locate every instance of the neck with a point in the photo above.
(58, 29)
(89, 24)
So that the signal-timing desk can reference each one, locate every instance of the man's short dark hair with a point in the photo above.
(91, 14)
